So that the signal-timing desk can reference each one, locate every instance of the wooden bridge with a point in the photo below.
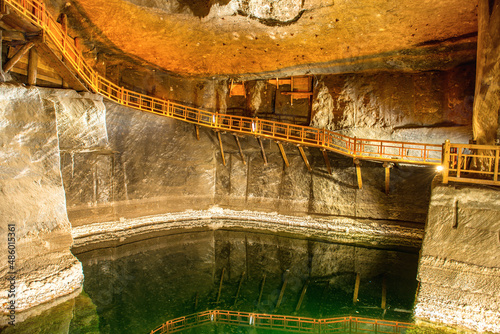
(347, 324)
(54, 42)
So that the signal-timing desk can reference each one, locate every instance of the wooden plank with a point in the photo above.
(302, 153)
(11, 62)
(327, 161)
(64, 71)
(283, 153)
(32, 67)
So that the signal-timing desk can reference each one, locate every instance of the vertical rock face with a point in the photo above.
(459, 271)
(428, 106)
(487, 98)
(32, 199)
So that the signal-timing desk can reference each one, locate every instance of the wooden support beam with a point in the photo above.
(241, 151)
(384, 294)
(283, 153)
(387, 166)
(356, 289)
(302, 153)
(220, 284)
(302, 295)
(2, 77)
(12, 61)
(13, 35)
(197, 131)
(262, 149)
(261, 289)
(327, 161)
(32, 67)
(358, 173)
(221, 148)
(282, 292)
(62, 69)
(446, 160)
(239, 288)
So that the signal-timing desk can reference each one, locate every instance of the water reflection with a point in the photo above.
(138, 286)
(135, 287)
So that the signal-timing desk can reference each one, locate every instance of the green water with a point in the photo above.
(135, 287)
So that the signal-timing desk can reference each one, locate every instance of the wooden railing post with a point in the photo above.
(446, 160)
(497, 158)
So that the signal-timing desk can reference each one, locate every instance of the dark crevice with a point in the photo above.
(273, 22)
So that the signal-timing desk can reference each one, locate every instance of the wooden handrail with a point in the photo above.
(471, 163)
(282, 322)
(456, 166)
(379, 150)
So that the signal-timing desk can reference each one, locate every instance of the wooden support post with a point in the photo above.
(197, 130)
(2, 77)
(13, 61)
(32, 66)
(221, 148)
(327, 161)
(497, 160)
(282, 292)
(356, 289)
(358, 173)
(220, 284)
(262, 149)
(446, 160)
(196, 302)
(241, 151)
(283, 153)
(384, 294)
(302, 153)
(387, 167)
(261, 289)
(302, 295)
(239, 287)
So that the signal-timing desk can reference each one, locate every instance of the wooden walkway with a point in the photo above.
(292, 324)
(56, 43)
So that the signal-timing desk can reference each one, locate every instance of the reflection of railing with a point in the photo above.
(415, 153)
(471, 163)
(345, 324)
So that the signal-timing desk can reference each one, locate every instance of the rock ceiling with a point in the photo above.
(266, 37)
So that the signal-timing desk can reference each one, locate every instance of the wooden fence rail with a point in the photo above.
(293, 324)
(413, 153)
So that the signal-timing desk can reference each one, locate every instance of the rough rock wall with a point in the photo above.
(32, 198)
(459, 270)
(152, 165)
(155, 165)
(487, 98)
(397, 106)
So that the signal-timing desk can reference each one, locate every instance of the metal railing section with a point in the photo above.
(471, 163)
(294, 324)
(414, 153)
